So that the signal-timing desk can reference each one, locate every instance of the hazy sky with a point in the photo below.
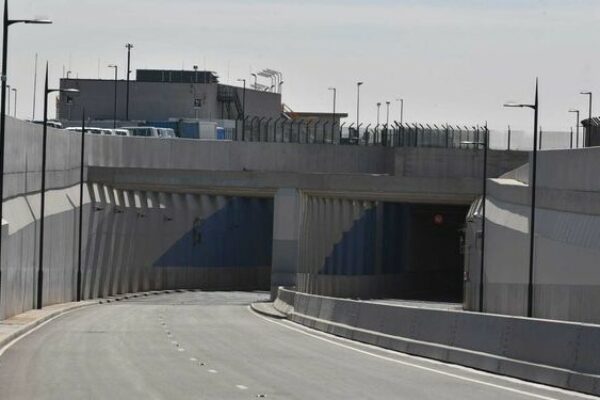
(453, 61)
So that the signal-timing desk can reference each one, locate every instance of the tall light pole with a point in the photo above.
(115, 103)
(387, 117)
(378, 112)
(40, 282)
(6, 23)
(358, 85)
(128, 46)
(535, 108)
(80, 232)
(485, 145)
(243, 109)
(576, 127)
(584, 141)
(334, 90)
(401, 110)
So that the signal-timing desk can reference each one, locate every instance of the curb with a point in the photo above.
(256, 307)
(27, 328)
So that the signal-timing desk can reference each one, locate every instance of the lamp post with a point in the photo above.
(15, 110)
(576, 127)
(6, 23)
(115, 103)
(401, 110)
(358, 85)
(485, 145)
(334, 90)
(80, 244)
(128, 46)
(378, 110)
(243, 109)
(535, 108)
(387, 117)
(40, 283)
(584, 141)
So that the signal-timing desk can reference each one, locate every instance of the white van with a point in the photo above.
(144, 131)
(94, 131)
(166, 133)
(122, 132)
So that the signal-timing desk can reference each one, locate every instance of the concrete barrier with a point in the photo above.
(556, 353)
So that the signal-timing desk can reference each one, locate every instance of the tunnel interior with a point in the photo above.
(397, 250)
(423, 245)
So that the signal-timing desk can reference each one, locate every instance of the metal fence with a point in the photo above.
(283, 130)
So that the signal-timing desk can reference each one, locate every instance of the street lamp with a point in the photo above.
(576, 128)
(378, 109)
(15, 111)
(590, 113)
(43, 187)
(6, 23)
(115, 104)
(334, 90)
(485, 145)
(128, 46)
(243, 109)
(387, 118)
(80, 232)
(401, 110)
(535, 108)
(358, 85)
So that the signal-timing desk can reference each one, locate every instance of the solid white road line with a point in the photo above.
(17, 339)
(424, 368)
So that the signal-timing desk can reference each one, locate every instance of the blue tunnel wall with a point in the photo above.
(240, 234)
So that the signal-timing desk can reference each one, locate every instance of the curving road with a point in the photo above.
(209, 345)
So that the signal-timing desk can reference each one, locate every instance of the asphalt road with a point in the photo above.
(209, 345)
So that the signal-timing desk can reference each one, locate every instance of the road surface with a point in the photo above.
(210, 345)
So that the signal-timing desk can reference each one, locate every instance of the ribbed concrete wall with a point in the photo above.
(20, 233)
(375, 249)
(138, 241)
(132, 241)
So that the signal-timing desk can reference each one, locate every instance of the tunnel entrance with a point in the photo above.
(374, 250)
(422, 251)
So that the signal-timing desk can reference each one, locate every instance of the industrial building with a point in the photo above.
(160, 95)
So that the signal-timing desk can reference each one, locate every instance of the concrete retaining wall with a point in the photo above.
(549, 352)
(566, 274)
(133, 240)
(194, 155)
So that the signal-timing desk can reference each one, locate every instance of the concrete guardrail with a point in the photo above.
(555, 353)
